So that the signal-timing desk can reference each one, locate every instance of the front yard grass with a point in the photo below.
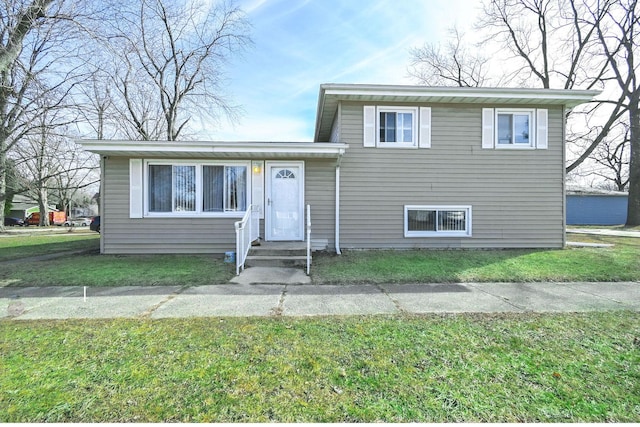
(92, 269)
(120, 270)
(496, 368)
(619, 263)
(25, 247)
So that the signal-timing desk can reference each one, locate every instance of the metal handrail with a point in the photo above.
(243, 238)
(308, 239)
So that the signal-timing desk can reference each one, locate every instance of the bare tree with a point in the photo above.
(612, 159)
(34, 65)
(619, 38)
(171, 57)
(79, 171)
(38, 156)
(454, 64)
(95, 105)
(17, 21)
(50, 164)
(37, 164)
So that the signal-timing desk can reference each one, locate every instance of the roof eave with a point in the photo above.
(457, 92)
(393, 93)
(213, 149)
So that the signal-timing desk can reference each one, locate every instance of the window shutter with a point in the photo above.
(542, 129)
(487, 128)
(369, 118)
(425, 127)
(135, 188)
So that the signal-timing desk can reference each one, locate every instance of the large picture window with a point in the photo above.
(437, 221)
(200, 189)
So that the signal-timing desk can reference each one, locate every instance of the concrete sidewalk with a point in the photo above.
(313, 300)
(604, 232)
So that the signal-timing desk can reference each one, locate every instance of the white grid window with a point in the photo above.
(397, 127)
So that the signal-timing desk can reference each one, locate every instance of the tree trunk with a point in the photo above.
(43, 204)
(633, 204)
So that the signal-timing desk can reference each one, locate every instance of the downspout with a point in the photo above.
(337, 216)
(564, 176)
(103, 164)
(337, 238)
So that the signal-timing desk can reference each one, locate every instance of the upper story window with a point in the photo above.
(514, 128)
(196, 189)
(397, 127)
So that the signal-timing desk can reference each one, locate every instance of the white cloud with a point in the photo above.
(251, 6)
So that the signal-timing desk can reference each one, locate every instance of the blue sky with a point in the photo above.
(300, 44)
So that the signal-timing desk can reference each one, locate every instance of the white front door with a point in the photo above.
(284, 219)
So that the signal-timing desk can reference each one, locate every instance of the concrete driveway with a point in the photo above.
(238, 299)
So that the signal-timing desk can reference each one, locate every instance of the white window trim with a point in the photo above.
(532, 129)
(414, 126)
(198, 213)
(465, 233)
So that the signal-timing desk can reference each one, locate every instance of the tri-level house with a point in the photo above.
(389, 167)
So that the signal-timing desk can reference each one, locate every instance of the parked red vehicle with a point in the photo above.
(55, 218)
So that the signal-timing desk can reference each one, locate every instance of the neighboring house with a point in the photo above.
(590, 206)
(390, 167)
(23, 206)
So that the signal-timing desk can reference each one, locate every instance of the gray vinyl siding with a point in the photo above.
(516, 195)
(335, 127)
(124, 235)
(320, 194)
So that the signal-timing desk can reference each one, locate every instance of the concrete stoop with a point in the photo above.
(278, 254)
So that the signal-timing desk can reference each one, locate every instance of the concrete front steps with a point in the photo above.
(278, 254)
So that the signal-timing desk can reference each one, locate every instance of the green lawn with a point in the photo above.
(19, 247)
(92, 269)
(620, 263)
(475, 368)
(120, 270)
